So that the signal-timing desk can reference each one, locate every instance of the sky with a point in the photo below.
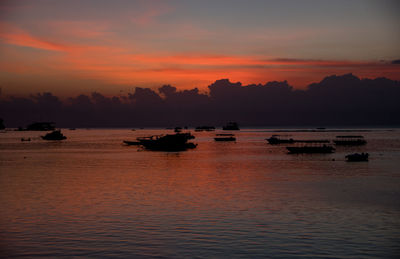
(73, 47)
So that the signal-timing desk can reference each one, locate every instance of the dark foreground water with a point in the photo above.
(91, 196)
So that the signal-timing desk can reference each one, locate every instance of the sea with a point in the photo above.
(92, 196)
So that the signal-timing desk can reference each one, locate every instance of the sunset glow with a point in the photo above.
(49, 46)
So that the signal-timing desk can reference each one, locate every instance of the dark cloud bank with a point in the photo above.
(335, 101)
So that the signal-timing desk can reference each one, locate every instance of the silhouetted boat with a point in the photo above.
(54, 135)
(357, 157)
(231, 126)
(72, 128)
(206, 128)
(169, 142)
(350, 140)
(25, 139)
(280, 139)
(225, 137)
(311, 146)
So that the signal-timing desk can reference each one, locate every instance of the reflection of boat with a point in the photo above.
(357, 157)
(350, 140)
(231, 126)
(54, 135)
(169, 142)
(312, 146)
(279, 139)
(225, 137)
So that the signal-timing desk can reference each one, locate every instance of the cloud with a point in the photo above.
(13, 35)
(335, 100)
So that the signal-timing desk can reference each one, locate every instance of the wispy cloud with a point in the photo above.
(13, 35)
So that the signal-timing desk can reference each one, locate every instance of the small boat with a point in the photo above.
(225, 137)
(131, 143)
(25, 139)
(312, 146)
(350, 140)
(205, 128)
(357, 157)
(231, 126)
(169, 142)
(72, 128)
(54, 135)
(280, 139)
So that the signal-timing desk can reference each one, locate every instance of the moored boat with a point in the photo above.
(280, 139)
(357, 157)
(205, 128)
(54, 135)
(225, 137)
(169, 142)
(350, 140)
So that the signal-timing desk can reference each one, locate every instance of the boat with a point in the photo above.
(357, 157)
(131, 143)
(350, 140)
(169, 142)
(231, 126)
(311, 146)
(205, 128)
(225, 137)
(25, 139)
(280, 139)
(54, 135)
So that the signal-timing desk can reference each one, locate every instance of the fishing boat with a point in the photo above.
(205, 128)
(311, 146)
(231, 126)
(350, 140)
(357, 157)
(225, 137)
(279, 139)
(169, 142)
(25, 139)
(54, 135)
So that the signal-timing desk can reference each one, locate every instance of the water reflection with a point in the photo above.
(91, 196)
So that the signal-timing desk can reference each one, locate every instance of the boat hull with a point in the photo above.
(309, 150)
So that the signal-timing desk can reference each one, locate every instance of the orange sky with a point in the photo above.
(46, 47)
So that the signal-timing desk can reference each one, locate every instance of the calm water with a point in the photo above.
(92, 196)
